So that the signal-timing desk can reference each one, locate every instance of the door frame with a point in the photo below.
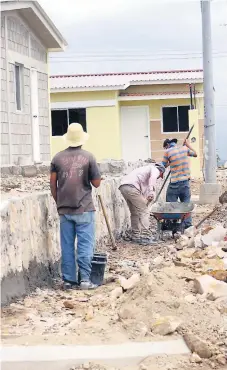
(35, 115)
(131, 107)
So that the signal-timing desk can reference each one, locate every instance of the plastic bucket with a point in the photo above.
(101, 257)
(97, 272)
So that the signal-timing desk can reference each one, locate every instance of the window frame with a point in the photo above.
(21, 87)
(173, 106)
(67, 110)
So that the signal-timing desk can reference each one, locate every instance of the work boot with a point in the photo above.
(87, 285)
(68, 286)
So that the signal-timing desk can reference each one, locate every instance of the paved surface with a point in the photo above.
(62, 357)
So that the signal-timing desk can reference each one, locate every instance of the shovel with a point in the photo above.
(222, 200)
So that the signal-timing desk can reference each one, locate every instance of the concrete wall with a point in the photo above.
(4, 101)
(20, 45)
(30, 249)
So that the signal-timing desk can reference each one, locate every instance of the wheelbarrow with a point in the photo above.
(171, 216)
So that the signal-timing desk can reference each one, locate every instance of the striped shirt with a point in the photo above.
(177, 158)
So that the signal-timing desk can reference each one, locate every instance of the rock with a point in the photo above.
(165, 325)
(197, 345)
(131, 282)
(215, 235)
(183, 241)
(187, 253)
(145, 269)
(158, 261)
(213, 288)
(218, 275)
(68, 304)
(190, 298)
(198, 241)
(86, 366)
(116, 293)
(195, 359)
(143, 367)
(191, 232)
(172, 249)
(223, 197)
(221, 359)
(126, 313)
(89, 314)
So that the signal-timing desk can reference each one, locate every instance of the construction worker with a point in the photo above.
(73, 171)
(179, 186)
(138, 189)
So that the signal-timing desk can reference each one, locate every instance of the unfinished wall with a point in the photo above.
(30, 249)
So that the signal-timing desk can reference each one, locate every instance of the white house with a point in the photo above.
(27, 35)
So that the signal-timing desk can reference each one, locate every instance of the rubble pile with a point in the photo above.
(175, 289)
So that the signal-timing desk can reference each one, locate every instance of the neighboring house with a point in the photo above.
(128, 115)
(27, 35)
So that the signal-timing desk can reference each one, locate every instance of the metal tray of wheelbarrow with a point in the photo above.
(171, 210)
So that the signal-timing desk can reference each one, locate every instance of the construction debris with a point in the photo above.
(164, 291)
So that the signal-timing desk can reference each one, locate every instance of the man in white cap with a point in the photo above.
(138, 190)
(73, 171)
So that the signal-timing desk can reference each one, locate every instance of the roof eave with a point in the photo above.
(167, 82)
(158, 97)
(57, 41)
(82, 89)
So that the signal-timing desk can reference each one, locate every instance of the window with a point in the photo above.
(175, 119)
(18, 86)
(60, 120)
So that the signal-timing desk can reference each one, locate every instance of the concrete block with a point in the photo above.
(209, 193)
(16, 170)
(29, 171)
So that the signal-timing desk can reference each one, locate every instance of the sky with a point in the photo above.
(141, 35)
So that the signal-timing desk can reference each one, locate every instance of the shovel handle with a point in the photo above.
(114, 247)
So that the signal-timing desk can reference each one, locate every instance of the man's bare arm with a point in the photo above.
(186, 142)
(53, 185)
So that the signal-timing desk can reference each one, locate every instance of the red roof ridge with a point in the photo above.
(126, 73)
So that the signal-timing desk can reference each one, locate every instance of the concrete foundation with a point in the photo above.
(209, 193)
(62, 357)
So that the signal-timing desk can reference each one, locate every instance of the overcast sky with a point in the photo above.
(145, 35)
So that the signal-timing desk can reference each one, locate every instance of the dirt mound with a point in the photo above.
(169, 292)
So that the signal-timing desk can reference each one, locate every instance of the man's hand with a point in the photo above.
(186, 143)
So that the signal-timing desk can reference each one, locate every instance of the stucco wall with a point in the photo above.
(103, 126)
(156, 135)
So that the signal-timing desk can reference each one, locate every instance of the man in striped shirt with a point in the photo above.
(177, 158)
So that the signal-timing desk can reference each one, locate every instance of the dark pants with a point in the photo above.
(180, 190)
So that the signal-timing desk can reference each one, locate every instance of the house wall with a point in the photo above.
(156, 135)
(4, 100)
(23, 47)
(103, 125)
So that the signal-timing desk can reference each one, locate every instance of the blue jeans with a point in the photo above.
(81, 226)
(180, 190)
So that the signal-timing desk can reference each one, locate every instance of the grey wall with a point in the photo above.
(21, 121)
(4, 103)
